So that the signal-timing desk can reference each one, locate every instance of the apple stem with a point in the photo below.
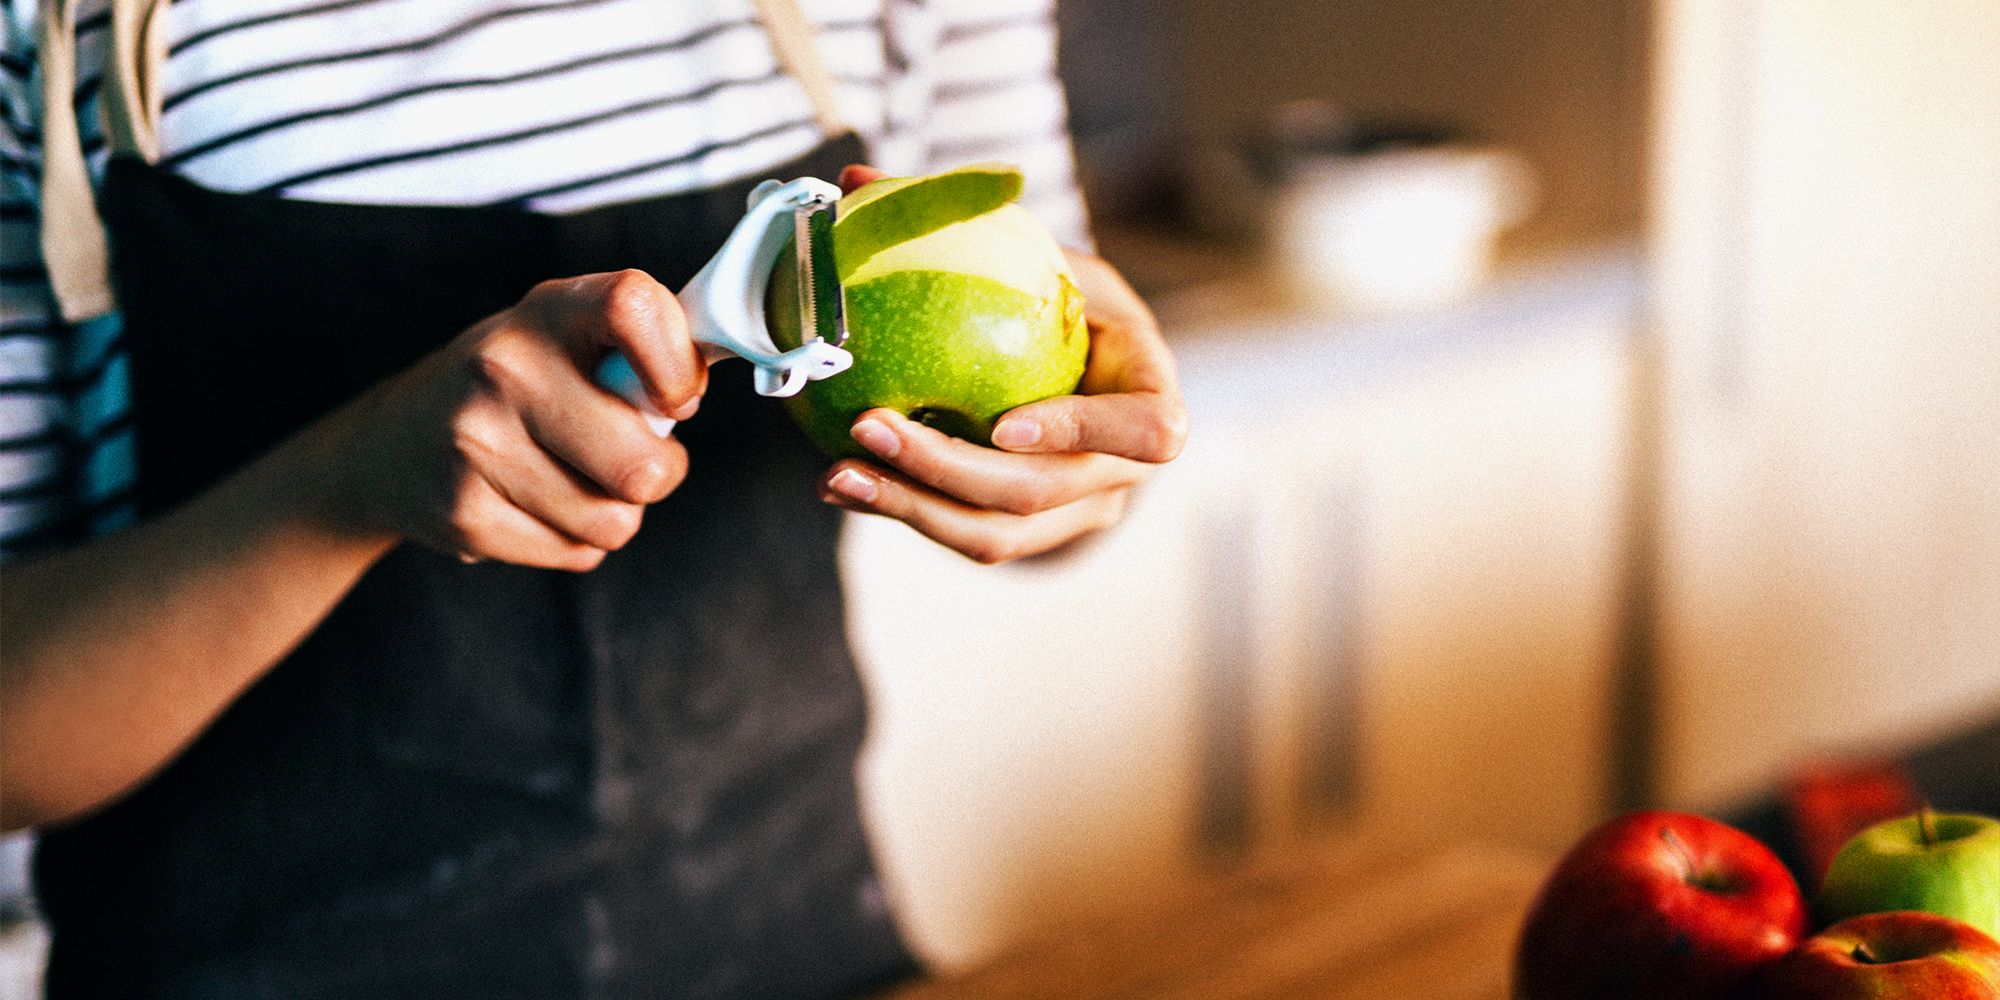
(1927, 825)
(1864, 956)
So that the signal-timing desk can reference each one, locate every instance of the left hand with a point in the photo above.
(1060, 468)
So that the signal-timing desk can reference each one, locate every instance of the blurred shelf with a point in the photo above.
(1208, 289)
(1232, 332)
(1162, 262)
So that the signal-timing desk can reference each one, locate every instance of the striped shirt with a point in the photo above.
(544, 105)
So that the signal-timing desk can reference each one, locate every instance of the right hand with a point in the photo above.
(499, 446)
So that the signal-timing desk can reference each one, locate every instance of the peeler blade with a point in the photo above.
(822, 314)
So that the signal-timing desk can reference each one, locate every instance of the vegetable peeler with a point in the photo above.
(724, 301)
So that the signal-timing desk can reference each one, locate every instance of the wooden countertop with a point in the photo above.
(1359, 923)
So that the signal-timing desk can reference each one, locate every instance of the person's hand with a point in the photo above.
(1061, 468)
(499, 446)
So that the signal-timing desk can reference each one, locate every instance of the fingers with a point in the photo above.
(1142, 426)
(630, 312)
(986, 536)
(483, 524)
(855, 174)
(605, 441)
(525, 379)
(548, 490)
(984, 477)
(494, 445)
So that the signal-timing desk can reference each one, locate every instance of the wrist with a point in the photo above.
(322, 478)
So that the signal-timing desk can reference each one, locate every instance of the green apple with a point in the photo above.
(959, 308)
(1942, 863)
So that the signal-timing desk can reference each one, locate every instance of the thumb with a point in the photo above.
(855, 174)
(630, 312)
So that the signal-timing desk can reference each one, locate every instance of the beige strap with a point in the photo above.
(796, 44)
(73, 245)
(74, 248)
(133, 93)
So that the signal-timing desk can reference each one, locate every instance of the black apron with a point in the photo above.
(486, 780)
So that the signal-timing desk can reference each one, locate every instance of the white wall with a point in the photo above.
(1828, 269)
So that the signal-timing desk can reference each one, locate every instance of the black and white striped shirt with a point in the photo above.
(546, 105)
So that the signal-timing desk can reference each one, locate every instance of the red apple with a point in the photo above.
(1900, 955)
(1659, 906)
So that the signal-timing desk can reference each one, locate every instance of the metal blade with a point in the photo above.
(821, 311)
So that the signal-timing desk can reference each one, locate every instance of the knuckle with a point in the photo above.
(676, 460)
(1036, 494)
(632, 298)
(1176, 430)
(642, 481)
(468, 523)
(473, 440)
(542, 291)
(990, 551)
(500, 365)
(1166, 435)
(1065, 429)
(696, 378)
(647, 476)
(554, 296)
(1112, 510)
(616, 525)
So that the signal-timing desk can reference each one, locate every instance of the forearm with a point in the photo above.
(496, 446)
(119, 652)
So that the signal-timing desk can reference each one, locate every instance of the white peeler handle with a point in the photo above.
(724, 303)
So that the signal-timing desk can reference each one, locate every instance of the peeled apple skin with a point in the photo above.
(953, 328)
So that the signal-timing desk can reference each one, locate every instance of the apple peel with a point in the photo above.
(896, 210)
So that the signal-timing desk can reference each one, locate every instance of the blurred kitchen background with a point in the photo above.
(1596, 404)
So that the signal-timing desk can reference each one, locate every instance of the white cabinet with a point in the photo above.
(1827, 258)
(1377, 593)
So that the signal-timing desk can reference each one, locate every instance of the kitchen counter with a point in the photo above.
(1369, 921)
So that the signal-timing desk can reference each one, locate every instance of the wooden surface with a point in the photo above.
(1380, 923)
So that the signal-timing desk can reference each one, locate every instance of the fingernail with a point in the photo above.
(1016, 433)
(853, 485)
(876, 436)
(686, 410)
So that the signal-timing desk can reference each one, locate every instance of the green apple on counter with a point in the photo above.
(1942, 863)
(959, 306)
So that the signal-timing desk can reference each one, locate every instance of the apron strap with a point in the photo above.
(796, 45)
(74, 247)
(133, 92)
